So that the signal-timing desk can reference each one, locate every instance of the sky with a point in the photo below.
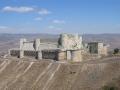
(60, 16)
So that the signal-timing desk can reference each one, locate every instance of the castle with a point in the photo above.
(70, 47)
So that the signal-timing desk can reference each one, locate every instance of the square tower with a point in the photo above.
(70, 41)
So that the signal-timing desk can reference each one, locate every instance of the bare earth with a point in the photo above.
(49, 75)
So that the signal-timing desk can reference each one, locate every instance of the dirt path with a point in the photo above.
(48, 75)
(48, 83)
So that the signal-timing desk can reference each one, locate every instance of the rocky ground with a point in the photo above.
(16, 74)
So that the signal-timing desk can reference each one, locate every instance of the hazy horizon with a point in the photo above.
(68, 33)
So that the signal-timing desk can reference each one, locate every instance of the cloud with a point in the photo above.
(55, 28)
(38, 18)
(22, 9)
(59, 21)
(51, 27)
(3, 27)
(26, 9)
(44, 12)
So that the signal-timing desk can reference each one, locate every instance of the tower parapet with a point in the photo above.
(70, 41)
(70, 45)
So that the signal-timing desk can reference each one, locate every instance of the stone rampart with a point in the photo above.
(45, 54)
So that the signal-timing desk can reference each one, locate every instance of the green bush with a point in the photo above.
(116, 51)
(109, 88)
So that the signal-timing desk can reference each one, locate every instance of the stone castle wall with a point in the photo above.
(69, 47)
(98, 48)
(70, 41)
(46, 54)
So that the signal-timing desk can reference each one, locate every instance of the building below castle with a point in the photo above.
(98, 48)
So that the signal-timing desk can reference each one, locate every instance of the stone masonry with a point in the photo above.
(69, 47)
(98, 48)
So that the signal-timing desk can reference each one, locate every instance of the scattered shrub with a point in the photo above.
(116, 51)
(109, 88)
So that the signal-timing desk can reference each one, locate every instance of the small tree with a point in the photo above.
(116, 51)
(109, 88)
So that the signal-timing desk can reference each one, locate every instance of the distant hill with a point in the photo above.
(12, 40)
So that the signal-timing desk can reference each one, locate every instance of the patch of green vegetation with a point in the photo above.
(116, 51)
(109, 88)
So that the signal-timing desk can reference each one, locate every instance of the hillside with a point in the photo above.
(49, 75)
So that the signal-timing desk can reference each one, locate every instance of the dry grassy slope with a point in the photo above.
(47, 75)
